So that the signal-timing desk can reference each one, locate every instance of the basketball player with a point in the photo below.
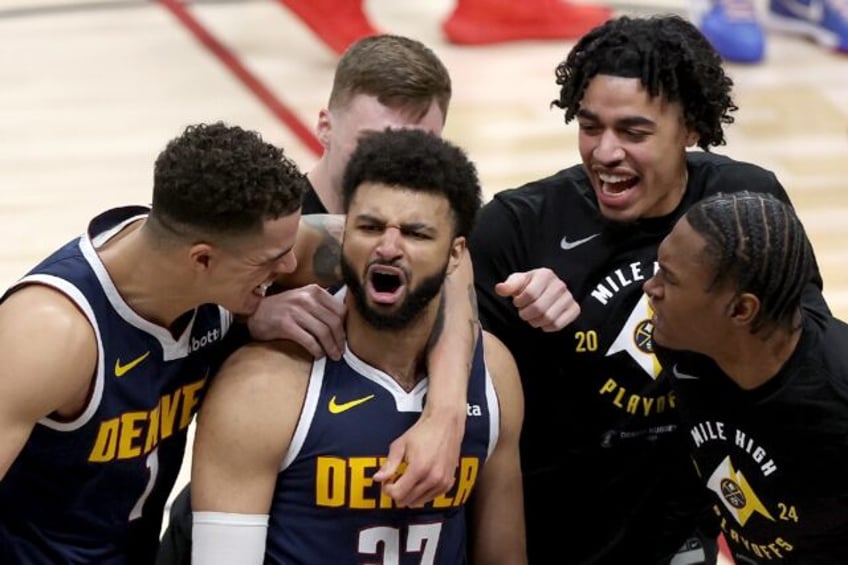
(762, 382)
(287, 444)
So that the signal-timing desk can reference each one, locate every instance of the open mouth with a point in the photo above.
(615, 185)
(385, 284)
(261, 289)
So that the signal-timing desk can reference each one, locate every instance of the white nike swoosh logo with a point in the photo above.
(814, 12)
(683, 376)
(565, 244)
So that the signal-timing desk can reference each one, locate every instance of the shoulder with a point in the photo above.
(265, 377)
(534, 196)
(49, 347)
(711, 173)
(500, 363)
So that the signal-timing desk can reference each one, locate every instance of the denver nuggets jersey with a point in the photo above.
(593, 386)
(776, 457)
(92, 490)
(326, 508)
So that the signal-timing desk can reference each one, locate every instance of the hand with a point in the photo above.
(542, 298)
(422, 462)
(308, 315)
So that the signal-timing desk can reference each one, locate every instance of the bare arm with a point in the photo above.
(243, 433)
(497, 504)
(49, 355)
(234, 468)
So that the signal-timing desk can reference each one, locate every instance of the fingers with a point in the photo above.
(309, 316)
(413, 480)
(416, 487)
(392, 465)
(542, 298)
(514, 284)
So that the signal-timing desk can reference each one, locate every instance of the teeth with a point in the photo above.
(263, 288)
(612, 178)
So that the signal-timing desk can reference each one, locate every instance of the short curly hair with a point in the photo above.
(668, 55)
(416, 160)
(223, 180)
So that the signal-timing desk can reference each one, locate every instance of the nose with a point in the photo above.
(651, 287)
(286, 264)
(389, 246)
(608, 150)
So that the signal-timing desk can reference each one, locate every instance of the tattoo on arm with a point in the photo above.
(326, 260)
(475, 316)
(438, 325)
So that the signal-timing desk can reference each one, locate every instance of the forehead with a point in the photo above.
(681, 250)
(277, 236)
(364, 112)
(615, 97)
(398, 205)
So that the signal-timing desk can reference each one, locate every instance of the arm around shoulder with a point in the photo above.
(49, 354)
(497, 504)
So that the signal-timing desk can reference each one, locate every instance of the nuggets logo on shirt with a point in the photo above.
(632, 339)
(744, 513)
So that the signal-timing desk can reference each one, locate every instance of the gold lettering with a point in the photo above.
(153, 430)
(609, 386)
(190, 400)
(360, 482)
(169, 405)
(106, 443)
(130, 431)
(330, 481)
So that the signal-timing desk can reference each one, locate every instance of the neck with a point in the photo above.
(148, 278)
(753, 360)
(326, 187)
(401, 354)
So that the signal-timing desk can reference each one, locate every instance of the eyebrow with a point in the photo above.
(628, 121)
(409, 226)
(280, 255)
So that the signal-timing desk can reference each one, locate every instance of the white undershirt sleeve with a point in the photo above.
(222, 538)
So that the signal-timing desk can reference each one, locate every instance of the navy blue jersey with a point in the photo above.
(776, 457)
(326, 507)
(93, 490)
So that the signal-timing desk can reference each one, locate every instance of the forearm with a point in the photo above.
(452, 345)
(318, 252)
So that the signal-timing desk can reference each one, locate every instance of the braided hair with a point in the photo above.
(755, 242)
(668, 55)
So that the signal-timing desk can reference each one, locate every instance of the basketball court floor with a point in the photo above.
(92, 91)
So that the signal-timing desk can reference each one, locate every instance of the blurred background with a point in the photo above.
(92, 90)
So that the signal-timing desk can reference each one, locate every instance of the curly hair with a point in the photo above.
(224, 180)
(401, 72)
(416, 160)
(668, 55)
(756, 243)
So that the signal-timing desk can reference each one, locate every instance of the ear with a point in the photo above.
(744, 308)
(692, 138)
(323, 128)
(457, 250)
(201, 256)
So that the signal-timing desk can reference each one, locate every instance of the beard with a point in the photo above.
(409, 310)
